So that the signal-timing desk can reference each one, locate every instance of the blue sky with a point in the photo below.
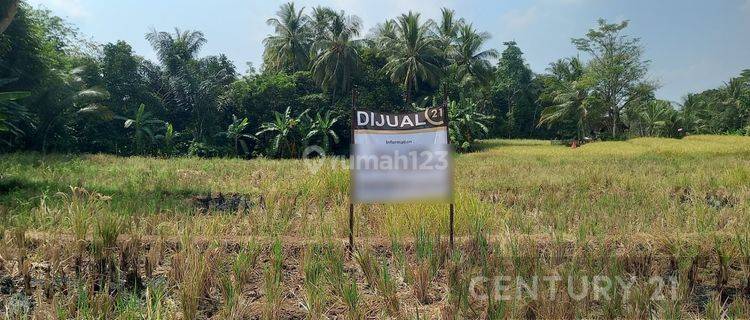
(693, 45)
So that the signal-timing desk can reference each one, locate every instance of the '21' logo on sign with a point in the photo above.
(431, 114)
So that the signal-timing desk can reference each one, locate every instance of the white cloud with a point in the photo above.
(70, 8)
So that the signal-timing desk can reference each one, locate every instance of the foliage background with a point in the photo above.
(77, 96)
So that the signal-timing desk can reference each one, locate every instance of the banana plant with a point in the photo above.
(285, 133)
(322, 129)
(142, 125)
(10, 109)
(11, 112)
(466, 124)
(236, 133)
(167, 139)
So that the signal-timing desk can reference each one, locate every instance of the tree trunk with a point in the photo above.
(408, 93)
(614, 124)
(512, 113)
(8, 15)
(534, 120)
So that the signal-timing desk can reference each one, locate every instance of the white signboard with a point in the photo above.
(400, 157)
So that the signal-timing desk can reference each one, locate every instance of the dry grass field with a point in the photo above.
(103, 237)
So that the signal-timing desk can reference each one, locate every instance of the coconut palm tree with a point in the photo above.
(692, 109)
(175, 50)
(735, 102)
(384, 35)
(653, 117)
(289, 47)
(190, 86)
(447, 30)
(285, 131)
(567, 70)
(472, 64)
(413, 54)
(569, 97)
(322, 129)
(569, 102)
(320, 23)
(338, 58)
(142, 124)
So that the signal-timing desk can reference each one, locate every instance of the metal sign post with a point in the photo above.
(448, 141)
(351, 203)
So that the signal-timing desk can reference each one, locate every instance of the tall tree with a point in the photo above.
(471, 60)
(320, 23)
(721, 110)
(514, 94)
(338, 58)
(288, 49)
(383, 36)
(735, 101)
(123, 79)
(568, 95)
(692, 108)
(189, 86)
(616, 67)
(176, 50)
(653, 118)
(447, 30)
(413, 55)
(9, 10)
(127, 87)
(38, 51)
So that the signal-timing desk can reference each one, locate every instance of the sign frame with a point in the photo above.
(353, 124)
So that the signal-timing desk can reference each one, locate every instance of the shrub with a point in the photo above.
(203, 150)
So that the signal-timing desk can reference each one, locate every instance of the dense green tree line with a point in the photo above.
(60, 93)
